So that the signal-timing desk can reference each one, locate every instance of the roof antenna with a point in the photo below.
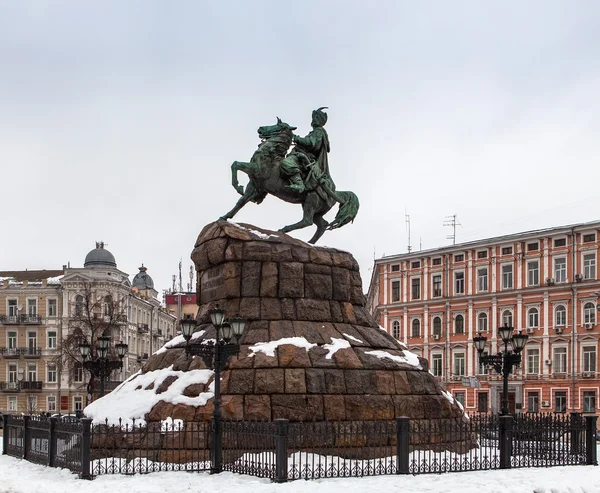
(452, 221)
(407, 221)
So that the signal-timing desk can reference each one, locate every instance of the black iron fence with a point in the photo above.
(284, 451)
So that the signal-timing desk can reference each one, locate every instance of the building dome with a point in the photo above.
(142, 280)
(100, 257)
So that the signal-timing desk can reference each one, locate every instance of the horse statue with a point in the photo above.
(265, 177)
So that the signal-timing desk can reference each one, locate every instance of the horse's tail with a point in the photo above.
(348, 209)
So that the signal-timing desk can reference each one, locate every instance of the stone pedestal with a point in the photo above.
(328, 358)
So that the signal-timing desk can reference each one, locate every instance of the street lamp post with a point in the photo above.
(102, 367)
(504, 361)
(215, 355)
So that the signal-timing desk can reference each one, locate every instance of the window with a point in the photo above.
(460, 398)
(416, 264)
(437, 365)
(589, 358)
(416, 288)
(437, 326)
(559, 363)
(589, 238)
(78, 403)
(13, 311)
(507, 277)
(437, 286)
(12, 405)
(51, 404)
(437, 261)
(560, 402)
(395, 291)
(459, 283)
(482, 279)
(416, 328)
(482, 254)
(13, 372)
(32, 307)
(532, 247)
(533, 402)
(533, 273)
(533, 361)
(396, 268)
(482, 368)
(533, 318)
(589, 313)
(560, 316)
(589, 266)
(589, 401)
(12, 339)
(396, 329)
(51, 339)
(482, 402)
(459, 258)
(507, 318)
(560, 269)
(51, 374)
(507, 251)
(78, 372)
(79, 305)
(459, 364)
(482, 322)
(32, 341)
(560, 242)
(459, 324)
(52, 308)
(31, 372)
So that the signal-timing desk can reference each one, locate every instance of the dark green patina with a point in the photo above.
(300, 177)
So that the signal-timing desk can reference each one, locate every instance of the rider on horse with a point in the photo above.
(308, 150)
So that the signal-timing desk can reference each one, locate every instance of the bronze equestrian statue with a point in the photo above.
(301, 177)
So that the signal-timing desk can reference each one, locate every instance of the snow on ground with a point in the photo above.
(19, 476)
(126, 402)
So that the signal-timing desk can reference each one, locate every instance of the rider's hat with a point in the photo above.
(319, 116)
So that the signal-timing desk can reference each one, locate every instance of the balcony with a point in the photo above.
(33, 386)
(9, 386)
(20, 319)
(17, 352)
(157, 333)
(143, 328)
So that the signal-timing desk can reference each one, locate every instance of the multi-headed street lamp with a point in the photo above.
(101, 367)
(504, 361)
(215, 354)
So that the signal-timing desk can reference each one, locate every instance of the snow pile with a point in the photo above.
(269, 348)
(170, 424)
(179, 340)
(128, 403)
(408, 358)
(335, 346)
(54, 280)
(348, 336)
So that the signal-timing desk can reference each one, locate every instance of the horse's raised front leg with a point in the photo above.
(247, 197)
(309, 207)
(240, 166)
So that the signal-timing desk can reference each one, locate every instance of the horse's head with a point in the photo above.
(269, 131)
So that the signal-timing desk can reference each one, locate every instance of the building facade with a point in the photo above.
(543, 282)
(43, 316)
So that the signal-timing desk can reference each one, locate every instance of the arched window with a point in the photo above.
(396, 329)
(416, 328)
(108, 305)
(79, 305)
(533, 318)
(507, 318)
(589, 313)
(437, 326)
(560, 315)
(459, 324)
(482, 322)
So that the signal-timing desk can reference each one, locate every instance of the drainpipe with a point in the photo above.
(447, 345)
(573, 318)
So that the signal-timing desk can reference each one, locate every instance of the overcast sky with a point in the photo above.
(119, 120)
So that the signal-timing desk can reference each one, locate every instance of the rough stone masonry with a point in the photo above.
(347, 368)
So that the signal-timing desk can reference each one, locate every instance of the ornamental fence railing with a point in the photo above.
(285, 451)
